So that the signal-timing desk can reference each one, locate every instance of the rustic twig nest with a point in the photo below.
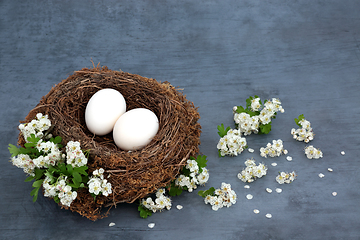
(135, 174)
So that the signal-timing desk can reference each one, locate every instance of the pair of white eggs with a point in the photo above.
(132, 130)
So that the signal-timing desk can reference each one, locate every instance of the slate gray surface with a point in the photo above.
(220, 52)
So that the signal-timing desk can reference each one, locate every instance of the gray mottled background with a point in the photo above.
(220, 52)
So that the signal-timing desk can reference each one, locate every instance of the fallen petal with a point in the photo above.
(274, 164)
(151, 225)
(321, 175)
(268, 190)
(246, 186)
(111, 224)
(334, 194)
(342, 152)
(256, 211)
(249, 196)
(251, 150)
(330, 169)
(268, 215)
(289, 158)
(179, 207)
(278, 190)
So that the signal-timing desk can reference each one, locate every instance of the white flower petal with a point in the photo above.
(249, 196)
(330, 169)
(111, 224)
(151, 225)
(342, 152)
(256, 211)
(278, 190)
(268, 215)
(334, 194)
(274, 164)
(179, 207)
(251, 150)
(289, 158)
(321, 175)
(268, 190)
(246, 186)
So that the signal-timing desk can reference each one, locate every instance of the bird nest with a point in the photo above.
(136, 174)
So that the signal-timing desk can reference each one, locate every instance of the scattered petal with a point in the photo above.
(330, 169)
(151, 225)
(249, 196)
(321, 175)
(246, 186)
(342, 152)
(111, 224)
(256, 211)
(179, 207)
(289, 158)
(274, 164)
(268, 215)
(334, 194)
(251, 150)
(278, 190)
(268, 190)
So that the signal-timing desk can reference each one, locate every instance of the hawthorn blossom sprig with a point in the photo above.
(219, 198)
(305, 132)
(74, 155)
(37, 126)
(285, 177)
(252, 171)
(256, 117)
(98, 184)
(231, 143)
(60, 190)
(194, 178)
(161, 202)
(273, 150)
(312, 152)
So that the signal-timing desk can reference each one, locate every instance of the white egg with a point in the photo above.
(135, 129)
(103, 110)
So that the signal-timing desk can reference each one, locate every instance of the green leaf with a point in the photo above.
(175, 191)
(37, 184)
(29, 178)
(240, 109)
(13, 150)
(210, 191)
(265, 129)
(57, 139)
(35, 193)
(201, 161)
(33, 139)
(70, 169)
(248, 102)
(222, 131)
(39, 173)
(297, 120)
(81, 170)
(77, 178)
(62, 169)
(219, 152)
(144, 212)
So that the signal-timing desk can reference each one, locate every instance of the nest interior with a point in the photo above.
(133, 175)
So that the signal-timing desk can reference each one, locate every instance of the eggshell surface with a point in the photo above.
(135, 129)
(103, 110)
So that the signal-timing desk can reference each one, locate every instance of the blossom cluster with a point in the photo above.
(59, 189)
(98, 184)
(232, 143)
(252, 171)
(160, 202)
(195, 177)
(223, 197)
(248, 124)
(74, 154)
(284, 177)
(36, 126)
(305, 133)
(312, 152)
(273, 150)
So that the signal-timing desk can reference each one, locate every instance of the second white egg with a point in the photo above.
(135, 129)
